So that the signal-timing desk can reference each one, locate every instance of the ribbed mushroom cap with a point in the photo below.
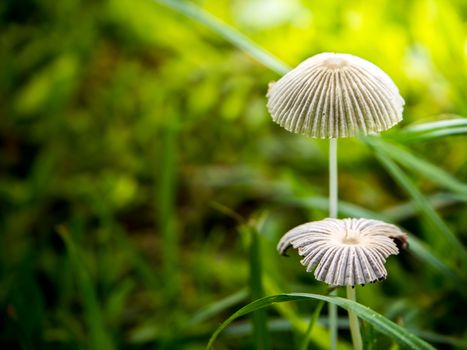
(332, 95)
(344, 252)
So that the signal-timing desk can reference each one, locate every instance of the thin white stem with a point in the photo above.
(333, 178)
(353, 321)
(332, 309)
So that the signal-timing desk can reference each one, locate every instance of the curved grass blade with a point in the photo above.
(441, 339)
(436, 125)
(99, 337)
(260, 330)
(218, 307)
(435, 134)
(409, 209)
(314, 317)
(419, 165)
(432, 130)
(319, 337)
(166, 192)
(230, 34)
(421, 250)
(425, 207)
(378, 321)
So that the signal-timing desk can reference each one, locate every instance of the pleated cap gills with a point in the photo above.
(333, 95)
(344, 252)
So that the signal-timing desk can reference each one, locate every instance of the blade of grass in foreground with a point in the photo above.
(378, 321)
(421, 250)
(165, 204)
(99, 338)
(260, 330)
(320, 336)
(279, 326)
(441, 339)
(314, 317)
(419, 165)
(409, 209)
(430, 214)
(458, 131)
(251, 230)
(218, 307)
(432, 130)
(438, 125)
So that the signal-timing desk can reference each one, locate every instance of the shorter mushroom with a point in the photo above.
(345, 252)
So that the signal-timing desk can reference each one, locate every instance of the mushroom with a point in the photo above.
(333, 95)
(345, 252)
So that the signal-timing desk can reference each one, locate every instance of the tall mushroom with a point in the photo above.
(333, 95)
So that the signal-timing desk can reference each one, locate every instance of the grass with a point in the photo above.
(407, 158)
(423, 203)
(378, 321)
(260, 330)
(124, 134)
(99, 337)
(166, 190)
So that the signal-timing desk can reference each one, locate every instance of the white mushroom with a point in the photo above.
(333, 95)
(344, 252)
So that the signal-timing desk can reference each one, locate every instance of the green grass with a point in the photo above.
(424, 205)
(124, 128)
(378, 321)
(99, 337)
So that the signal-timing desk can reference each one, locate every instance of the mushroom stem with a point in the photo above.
(332, 309)
(333, 178)
(353, 321)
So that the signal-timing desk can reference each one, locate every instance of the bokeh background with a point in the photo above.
(136, 151)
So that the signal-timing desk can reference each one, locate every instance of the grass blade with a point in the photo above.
(421, 250)
(378, 321)
(260, 330)
(230, 34)
(419, 165)
(165, 208)
(432, 130)
(217, 307)
(436, 125)
(314, 317)
(99, 338)
(425, 207)
(439, 128)
(441, 339)
(409, 209)
(440, 133)
(320, 335)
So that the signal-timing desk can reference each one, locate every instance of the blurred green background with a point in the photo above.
(135, 142)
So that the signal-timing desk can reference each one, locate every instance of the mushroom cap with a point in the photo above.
(344, 252)
(333, 95)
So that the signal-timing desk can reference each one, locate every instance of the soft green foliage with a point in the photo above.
(136, 150)
(378, 321)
